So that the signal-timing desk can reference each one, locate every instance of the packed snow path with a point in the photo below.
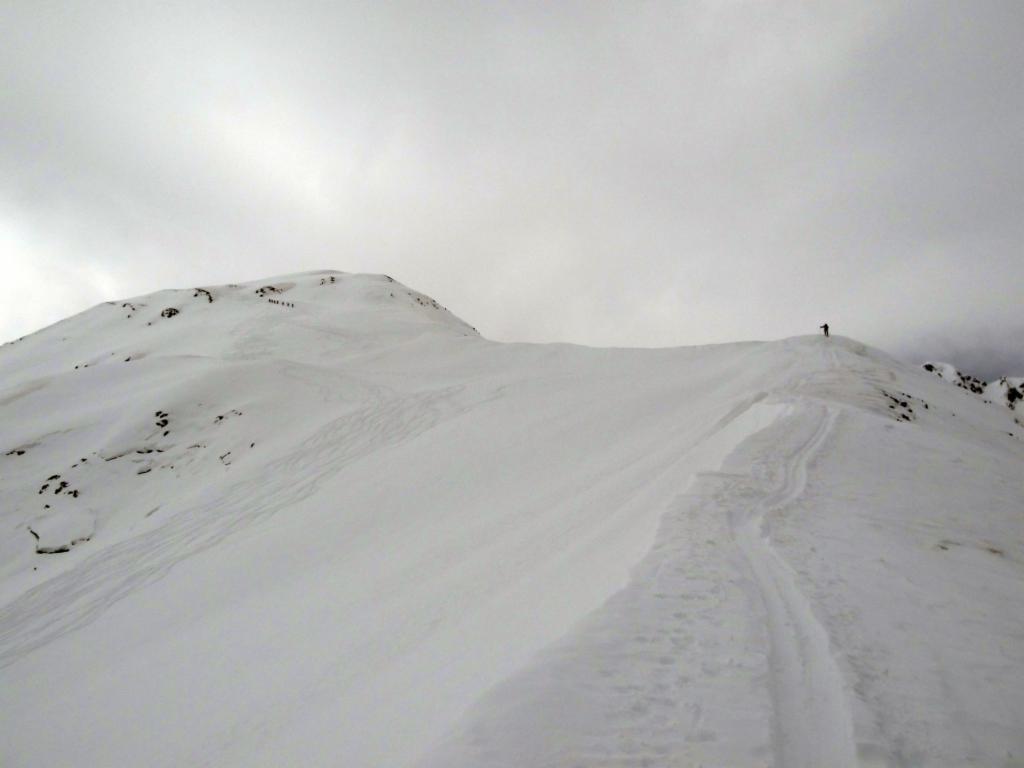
(812, 723)
(317, 520)
(661, 675)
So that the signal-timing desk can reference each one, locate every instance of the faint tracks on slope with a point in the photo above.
(80, 596)
(812, 725)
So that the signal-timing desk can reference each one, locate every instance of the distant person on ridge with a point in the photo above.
(824, 328)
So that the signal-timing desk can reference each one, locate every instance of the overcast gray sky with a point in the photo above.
(639, 174)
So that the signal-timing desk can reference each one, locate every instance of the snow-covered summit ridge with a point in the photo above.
(300, 316)
(176, 387)
(227, 529)
(1006, 390)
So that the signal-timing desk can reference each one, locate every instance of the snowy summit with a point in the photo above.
(318, 520)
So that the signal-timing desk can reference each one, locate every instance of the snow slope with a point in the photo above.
(318, 520)
(1007, 390)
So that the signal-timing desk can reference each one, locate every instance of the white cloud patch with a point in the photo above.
(598, 173)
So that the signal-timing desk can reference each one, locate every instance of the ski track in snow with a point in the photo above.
(78, 597)
(837, 588)
(704, 658)
(813, 725)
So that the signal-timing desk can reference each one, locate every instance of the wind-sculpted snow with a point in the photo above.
(672, 668)
(318, 520)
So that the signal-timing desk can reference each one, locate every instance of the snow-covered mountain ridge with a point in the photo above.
(318, 520)
(189, 349)
(1006, 390)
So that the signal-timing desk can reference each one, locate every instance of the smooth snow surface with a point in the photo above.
(317, 520)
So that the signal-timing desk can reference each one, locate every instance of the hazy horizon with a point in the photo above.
(603, 174)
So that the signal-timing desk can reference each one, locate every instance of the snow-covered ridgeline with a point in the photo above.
(319, 520)
(1006, 390)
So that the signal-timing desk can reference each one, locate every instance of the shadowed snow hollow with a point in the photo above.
(318, 520)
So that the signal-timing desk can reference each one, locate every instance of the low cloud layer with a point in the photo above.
(617, 174)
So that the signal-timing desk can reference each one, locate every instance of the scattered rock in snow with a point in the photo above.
(901, 404)
(57, 532)
(1008, 391)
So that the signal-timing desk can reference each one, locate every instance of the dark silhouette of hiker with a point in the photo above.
(824, 328)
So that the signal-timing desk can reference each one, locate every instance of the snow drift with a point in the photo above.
(318, 520)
